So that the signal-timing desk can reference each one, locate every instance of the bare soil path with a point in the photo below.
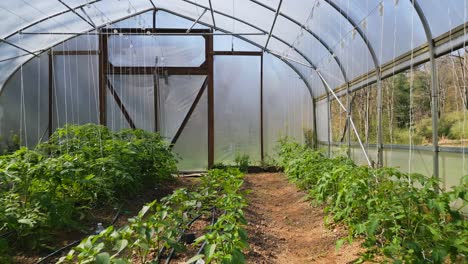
(284, 228)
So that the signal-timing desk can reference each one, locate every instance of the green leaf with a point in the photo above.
(209, 251)
(339, 243)
(28, 222)
(143, 210)
(120, 245)
(195, 258)
(103, 258)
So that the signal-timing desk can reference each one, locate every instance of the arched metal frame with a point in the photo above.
(313, 66)
(379, 84)
(417, 7)
(434, 86)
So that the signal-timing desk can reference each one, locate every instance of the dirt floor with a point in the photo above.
(284, 228)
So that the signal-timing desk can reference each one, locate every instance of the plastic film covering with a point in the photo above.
(236, 105)
(444, 15)
(167, 20)
(23, 105)
(419, 161)
(453, 168)
(288, 109)
(75, 90)
(136, 93)
(176, 96)
(321, 119)
(192, 145)
(247, 11)
(225, 42)
(156, 50)
(381, 21)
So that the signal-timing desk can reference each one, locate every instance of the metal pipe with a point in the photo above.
(18, 47)
(434, 87)
(350, 118)
(212, 13)
(273, 24)
(196, 21)
(142, 33)
(369, 46)
(76, 13)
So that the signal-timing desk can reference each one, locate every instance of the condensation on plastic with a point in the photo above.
(236, 105)
(192, 146)
(139, 50)
(76, 85)
(288, 109)
(26, 117)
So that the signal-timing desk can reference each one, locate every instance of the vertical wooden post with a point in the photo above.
(103, 62)
(209, 61)
(51, 92)
(262, 153)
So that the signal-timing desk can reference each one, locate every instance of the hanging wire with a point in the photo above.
(65, 88)
(22, 103)
(39, 100)
(464, 87)
(411, 121)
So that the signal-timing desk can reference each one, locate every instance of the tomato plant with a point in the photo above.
(404, 216)
(56, 184)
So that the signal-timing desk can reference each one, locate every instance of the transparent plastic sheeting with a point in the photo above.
(23, 104)
(392, 27)
(321, 119)
(192, 145)
(288, 109)
(176, 95)
(237, 107)
(156, 51)
(76, 90)
(136, 94)
(420, 161)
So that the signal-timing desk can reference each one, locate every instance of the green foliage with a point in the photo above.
(11, 144)
(242, 161)
(309, 138)
(402, 100)
(80, 167)
(402, 215)
(159, 225)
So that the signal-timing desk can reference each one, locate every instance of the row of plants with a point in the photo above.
(55, 185)
(406, 217)
(159, 226)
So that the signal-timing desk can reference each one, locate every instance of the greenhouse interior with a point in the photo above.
(233, 131)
